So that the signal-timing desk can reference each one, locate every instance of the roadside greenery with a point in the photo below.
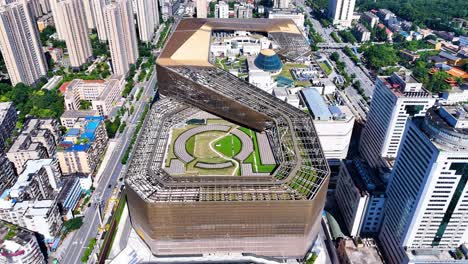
(73, 224)
(347, 36)
(135, 135)
(89, 250)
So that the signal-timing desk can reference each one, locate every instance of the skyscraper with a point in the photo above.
(281, 3)
(76, 31)
(341, 12)
(98, 13)
(121, 33)
(148, 18)
(57, 19)
(20, 44)
(396, 98)
(202, 9)
(427, 200)
(89, 13)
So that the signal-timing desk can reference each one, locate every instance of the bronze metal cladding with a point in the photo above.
(275, 216)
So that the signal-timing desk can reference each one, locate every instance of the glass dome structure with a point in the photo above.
(268, 60)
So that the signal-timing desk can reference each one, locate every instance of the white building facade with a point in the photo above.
(75, 31)
(20, 44)
(427, 204)
(121, 34)
(341, 12)
(148, 18)
(396, 99)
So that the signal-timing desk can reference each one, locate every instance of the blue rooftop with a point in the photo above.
(89, 133)
(316, 105)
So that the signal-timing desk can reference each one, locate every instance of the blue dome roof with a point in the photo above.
(268, 60)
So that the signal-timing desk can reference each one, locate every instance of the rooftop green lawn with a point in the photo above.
(254, 158)
(325, 68)
(229, 146)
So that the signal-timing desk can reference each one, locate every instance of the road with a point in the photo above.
(110, 176)
(366, 83)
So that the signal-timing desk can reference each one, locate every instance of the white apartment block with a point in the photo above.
(427, 204)
(148, 19)
(76, 31)
(360, 195)
(103, 95)
(40, 216)
(221, 10)
(20, 44)
(24, 149)
(39, 180)
(98, 13)
(121, 33)
(333, 123)
(396, 99)
(202, 9)
(284, 4)
(70, 117)
(341, 12)
(21, 248)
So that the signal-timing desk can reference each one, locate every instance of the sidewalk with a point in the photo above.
(105, 160)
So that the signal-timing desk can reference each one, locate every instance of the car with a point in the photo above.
(110, 185)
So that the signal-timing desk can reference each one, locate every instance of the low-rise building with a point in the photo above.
(8, 119)
(39, 180)
(70, 117)
(243, 11)
(334, 123)
(24, 149)
(102, 95)
(361, 33)
(359, 251)
(69, 195)
(19, 245)
(370, 18)
(41, 216)
(82, 146)
(45, 131)
(458, 94)
(360, 195)
(411, 56)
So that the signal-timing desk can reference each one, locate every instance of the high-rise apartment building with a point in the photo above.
(57, 19)
(222, 10)
(76, 31)
(89, 14)
(341, 12)
(281, 3)
(121, 34)
(396, 99)
(202, 7)
(98, 13)
(19, 245)
(20, 44)
(148, 18)
(427, 200)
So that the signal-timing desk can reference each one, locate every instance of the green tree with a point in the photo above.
(437, 82)
(378, 56)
